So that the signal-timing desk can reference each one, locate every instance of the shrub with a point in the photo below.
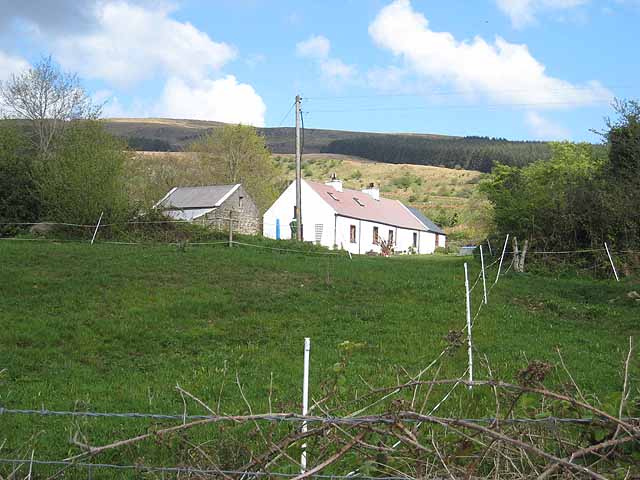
(84, 177)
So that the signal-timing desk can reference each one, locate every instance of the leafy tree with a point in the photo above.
(18, 199)
(237, 154)
(49, 99)
(84, 176)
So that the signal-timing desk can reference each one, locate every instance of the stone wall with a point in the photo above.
(242, 209)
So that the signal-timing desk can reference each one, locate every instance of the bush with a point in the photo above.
(84, 177)
(18, 200)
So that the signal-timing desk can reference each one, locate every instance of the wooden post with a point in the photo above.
(484, 280)
(469, 343)
(504, 249)
(230, 229)
(606, 247)
(97, 227)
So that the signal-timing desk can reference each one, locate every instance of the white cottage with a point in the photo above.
(352, 220)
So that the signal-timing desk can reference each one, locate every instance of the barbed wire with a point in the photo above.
(296, 418)
(201, 471)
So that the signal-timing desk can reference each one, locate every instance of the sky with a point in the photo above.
(516, 69)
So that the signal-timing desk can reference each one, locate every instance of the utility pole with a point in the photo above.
(298, 173)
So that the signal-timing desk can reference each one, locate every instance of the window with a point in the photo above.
(333, 196)
(376, 236)
(240, 202)
(352, 233)
(390, 237)
(415, 240)
(357, 200)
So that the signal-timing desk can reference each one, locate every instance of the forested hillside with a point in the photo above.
(468, 153)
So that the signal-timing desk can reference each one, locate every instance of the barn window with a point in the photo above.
(376, 236)
(415, 240)
(390, 237)
(352, 233)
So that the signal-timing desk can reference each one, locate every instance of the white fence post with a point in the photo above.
(305, 401)
(484, 280)
(470, 348)
(504, 249)
(606, 247)
(97, 227)
(489, 245)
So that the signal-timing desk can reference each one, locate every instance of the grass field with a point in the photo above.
(114, 328)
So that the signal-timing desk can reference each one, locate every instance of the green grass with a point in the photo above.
(114, 328)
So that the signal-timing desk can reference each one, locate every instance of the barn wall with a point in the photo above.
(245, 214)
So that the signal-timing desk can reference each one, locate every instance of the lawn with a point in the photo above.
(114, 328)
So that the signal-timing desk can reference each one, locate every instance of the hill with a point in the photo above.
(448, 196)
(113, 328)
(470, 153)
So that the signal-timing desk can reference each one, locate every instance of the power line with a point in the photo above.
(433, 107)
(286, 115)
(460, 93)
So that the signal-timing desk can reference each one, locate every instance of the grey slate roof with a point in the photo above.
(195, 197)
(432, 227)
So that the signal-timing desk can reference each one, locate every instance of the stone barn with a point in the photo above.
(212, 206)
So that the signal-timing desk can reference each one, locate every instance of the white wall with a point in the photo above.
(403, 238)
(315, 211)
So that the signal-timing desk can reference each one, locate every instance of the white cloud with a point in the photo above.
(318, 47)
(224, 100)
(126, 42)
(131, 43)
(10, 65)
(545, 129)
(501, 72)
(523, 12)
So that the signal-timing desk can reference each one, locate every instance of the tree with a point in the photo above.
(48, 99)
(18, 198)
(237, 154)
(84, 176)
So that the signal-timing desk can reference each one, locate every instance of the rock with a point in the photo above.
(42, 228)
(634, 295)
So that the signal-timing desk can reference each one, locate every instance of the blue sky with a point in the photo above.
(519, 69)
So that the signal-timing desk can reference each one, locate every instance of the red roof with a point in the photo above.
(361, 206)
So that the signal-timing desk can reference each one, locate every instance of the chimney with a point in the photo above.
(335, 183)
(372, 191)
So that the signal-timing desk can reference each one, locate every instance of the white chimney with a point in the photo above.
(372, 191)
(335, 183)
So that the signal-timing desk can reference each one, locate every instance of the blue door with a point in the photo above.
(277, 229)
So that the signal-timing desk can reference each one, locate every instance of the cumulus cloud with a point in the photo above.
(10, 65)
(546, 129)
(523, 12)
(317, 48)
(502, 72)
(131, 43)
(126, 42)
(224, 100)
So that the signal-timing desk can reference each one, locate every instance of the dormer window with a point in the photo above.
(357, 200)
